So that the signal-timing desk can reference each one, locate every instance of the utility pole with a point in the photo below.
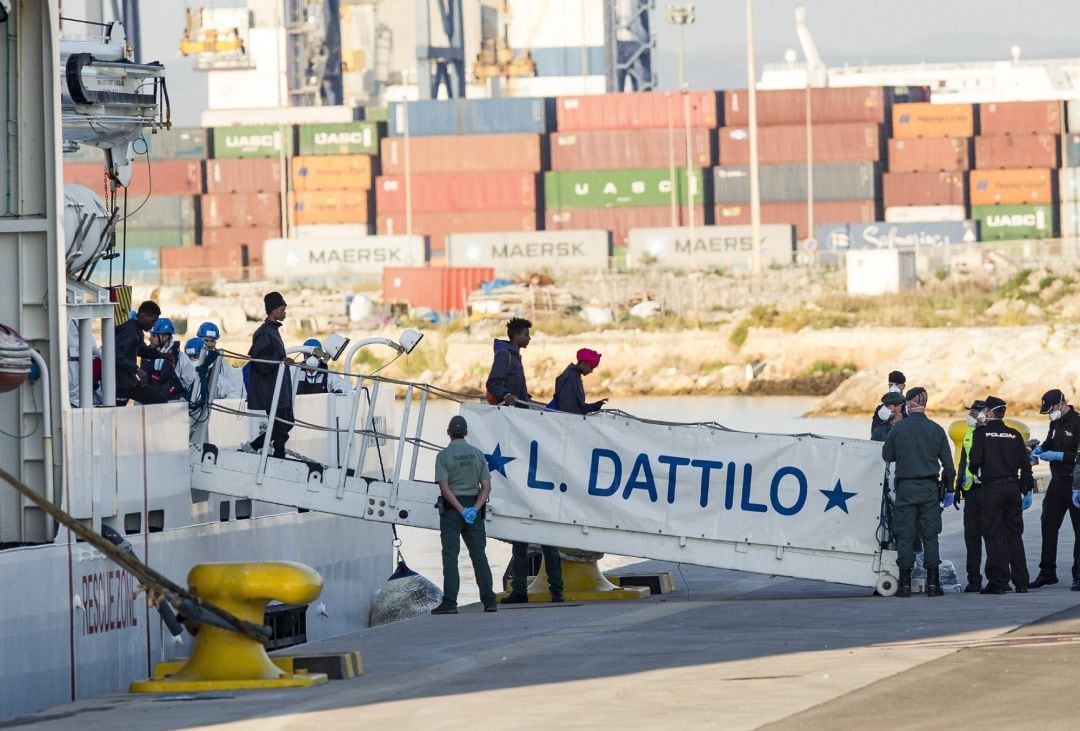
(755, 195)
(682, 15)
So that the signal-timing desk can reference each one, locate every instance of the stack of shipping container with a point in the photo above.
(1069, 175)
(847, 143)
(615, 157)
(462, 167)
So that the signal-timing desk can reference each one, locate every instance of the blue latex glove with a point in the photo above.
(1035, 454)
(469, 514)
(1027, 500)
(1052, 456)
(1076, 497)
(950, 498)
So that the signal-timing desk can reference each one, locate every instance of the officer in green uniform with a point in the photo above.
(921, 452)
(966, 481)
(464, 486)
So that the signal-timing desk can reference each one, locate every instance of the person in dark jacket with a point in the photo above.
(569, 390)
(506, 381)
(267, 345)
(890, 413)
(1059, 451)
(1000, 460)
(130, 346)
(897, 381)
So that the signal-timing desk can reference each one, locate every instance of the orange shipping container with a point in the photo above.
(619, 221)
(924, 119)
(252, 236)
(436, 226)
(166, 177)
(241, 210)
(185, 264)
(463, 154)
(331, 172)
(845, 142)
(1011, 187)
(442, 289)
(449, 193)
(929, 154)
(255, 175)
(329, 206)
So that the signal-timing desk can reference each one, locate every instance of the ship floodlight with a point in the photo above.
(409, 340)
(335, 345)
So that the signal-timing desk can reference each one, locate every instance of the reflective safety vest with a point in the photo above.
(969, 477)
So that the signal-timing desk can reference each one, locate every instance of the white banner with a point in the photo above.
(609, 471)
(332, 256)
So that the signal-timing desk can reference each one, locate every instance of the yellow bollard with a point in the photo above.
(582, 581)
(227, 660)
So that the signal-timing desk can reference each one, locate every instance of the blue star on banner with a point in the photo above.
(837, 497)
(496, 462)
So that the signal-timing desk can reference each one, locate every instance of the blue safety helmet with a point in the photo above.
(313, 342)
(194, 347)
(209, 330)
(163, 326)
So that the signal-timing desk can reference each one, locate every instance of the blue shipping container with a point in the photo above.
(1072, 151)
(473, 117)
(140, 265)
(881, 235)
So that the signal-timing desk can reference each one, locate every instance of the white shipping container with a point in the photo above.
(730, 247)
(924, 214)
(280, 115)
(541, 86)
(1069, 184)
(555, 23)
(1072, 116)
(264, 86)
(329, 230)
(872, 272)
(528, 251)
(1070, 219)
(334, 258)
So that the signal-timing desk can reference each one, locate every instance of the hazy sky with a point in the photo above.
(865, 31)
(846, 31)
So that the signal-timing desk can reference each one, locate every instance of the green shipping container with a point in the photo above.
(162, 212)
(1010, 223)
(178, 143)
(619, 188)
(345, 138)
(157, 238)
(252, 141)
(377, 114)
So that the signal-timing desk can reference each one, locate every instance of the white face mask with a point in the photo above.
(981, 418)
(312, 361)
(972, 421)
(895, 388)
(1055, 414)
(884, 413)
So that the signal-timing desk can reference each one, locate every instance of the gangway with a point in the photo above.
(801, 506)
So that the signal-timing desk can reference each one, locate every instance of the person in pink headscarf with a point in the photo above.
(570, 391)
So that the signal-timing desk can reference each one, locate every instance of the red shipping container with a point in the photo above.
(930, 154)
(788, 106)
(165, 177)
(1017, 151)
(795, 214)
(441, 289)
(629, 149)
(1011, 187)
(187, 264)
(619, 221)
(845, 142)
(463, 154)
(242, 210)
(257, 175)
(436, 226)
(924, 189)
(446, 193)
(640, 110)
(253, 237)
(1018, 118)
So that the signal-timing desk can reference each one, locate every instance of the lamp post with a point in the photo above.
(682, 15)
(755, 199)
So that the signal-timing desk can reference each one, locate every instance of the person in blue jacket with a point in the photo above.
(570, 391)
(506, 381)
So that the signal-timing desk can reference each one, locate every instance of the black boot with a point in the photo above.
(904, 589)
(933, 583)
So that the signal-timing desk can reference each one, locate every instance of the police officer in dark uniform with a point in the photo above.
(965, 492)
(897, 381)
(1000, 460)
(921, 452)
(889, 414)
(1059, 450)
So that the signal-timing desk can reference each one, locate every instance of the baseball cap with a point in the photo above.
(977, 405)
(993, 402)
(458, 426)
(1050, 399)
